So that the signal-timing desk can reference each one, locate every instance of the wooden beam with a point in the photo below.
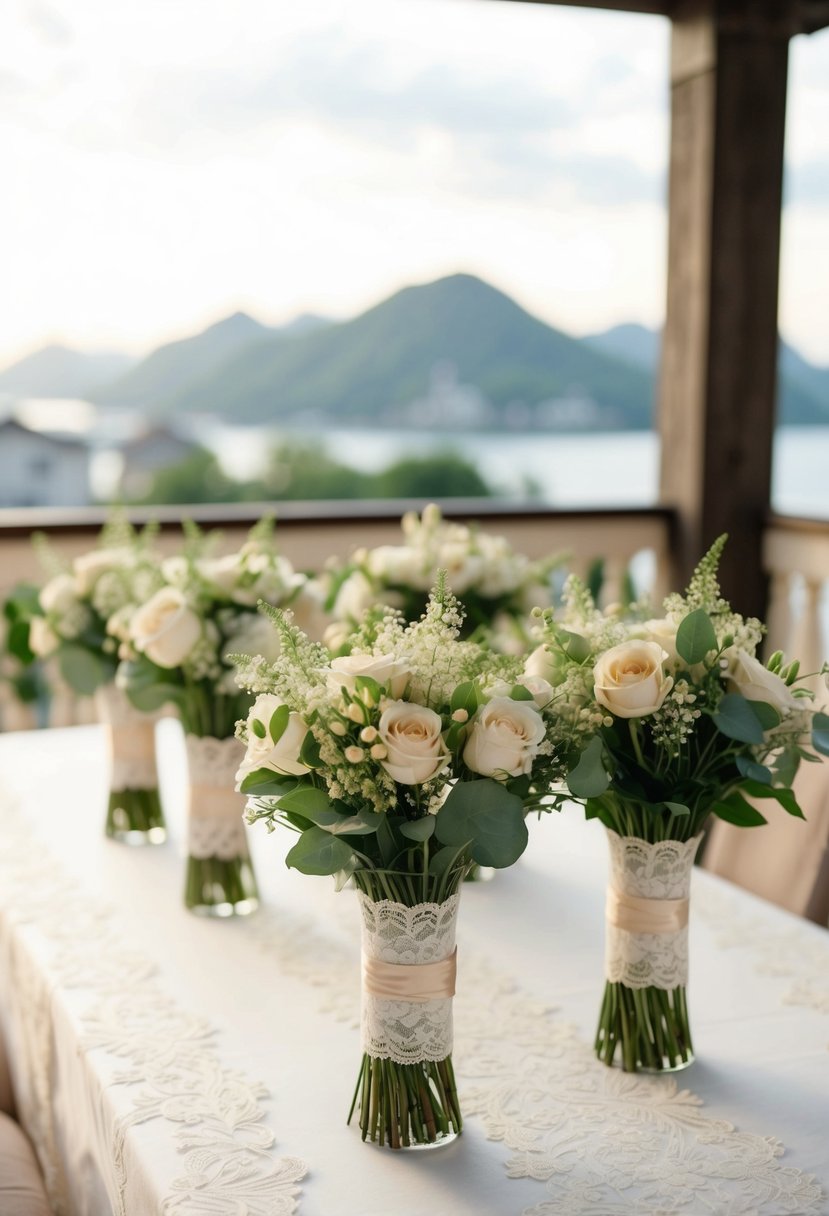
(719, 362)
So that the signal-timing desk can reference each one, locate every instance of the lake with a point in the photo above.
(609, 469)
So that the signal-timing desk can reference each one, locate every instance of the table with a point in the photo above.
(169, 1064)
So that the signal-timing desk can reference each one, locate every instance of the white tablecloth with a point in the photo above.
(170, 1064)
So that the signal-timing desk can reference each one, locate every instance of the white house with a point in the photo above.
(38, 469)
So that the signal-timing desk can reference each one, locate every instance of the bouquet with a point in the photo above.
(498, 586)
(674, 719)
(398, 767)
(177, 651)
(80, 615)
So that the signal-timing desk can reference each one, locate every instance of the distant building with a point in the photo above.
(39, 469)
(147, 453)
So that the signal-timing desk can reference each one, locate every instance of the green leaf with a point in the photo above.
(258, 728)
(83, 670)
(678, 809)
(149, 687)
(364, 823)
(766, 714)
(574, 645)
(695, 636)
(443, 860)
(419, 829)
(593, 808)
(488, 818)
(309, 753)
(367, 684)
(306, 800)
(753, 771)
(736, 810)
(736, 719)
(786, 797)
(278, 723)
(17, 641)
(786, 766)
(589, 778)
(264, 781)
(519, 693)
(318, 852)
(465, 696)
(820, 733)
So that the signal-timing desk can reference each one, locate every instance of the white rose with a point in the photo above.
(747, 675)
(543, 663)
(463, 569)
(60, 595)
(354, 596)
(176, 570)
(541, 689)
(280, 757)
(663, 630)
(411, 735)
(90, 566)
(504, 738)
(308, 608)
(43, 640)
(629, 679)
(166, 628)
(400, 564)
(390, 672)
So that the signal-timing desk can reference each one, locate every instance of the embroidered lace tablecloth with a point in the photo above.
(190, 1068)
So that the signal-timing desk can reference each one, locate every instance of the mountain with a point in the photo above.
(633, 343)
(803, 388)
(375, 366)
(59, 371)
(168, 369)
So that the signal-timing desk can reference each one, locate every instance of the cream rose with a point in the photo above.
(629, 679)
(280, 757)
(388, 671)
(166, 628)
(355, 595)
(504, 738)
(90, 566)
(411, 735)
(43, 640)
(60, 595)
(663, 630)
(542, 664)
(747, 675)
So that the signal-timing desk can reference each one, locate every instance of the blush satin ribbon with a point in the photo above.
(415, 982)
(636, 914)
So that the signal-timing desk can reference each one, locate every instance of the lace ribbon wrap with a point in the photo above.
(409, 1030)
(131, 736)
(215, 824)
(643, 874)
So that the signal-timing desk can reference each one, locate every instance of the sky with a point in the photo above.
(166, 162)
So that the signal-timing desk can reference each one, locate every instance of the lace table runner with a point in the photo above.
(598, 1140)
(170, 1066)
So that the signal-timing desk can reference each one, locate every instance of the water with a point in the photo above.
(601, 470)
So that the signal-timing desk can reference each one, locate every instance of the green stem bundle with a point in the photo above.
(406, 1105)
(648, 1026)
(135, 816)
(218, 887)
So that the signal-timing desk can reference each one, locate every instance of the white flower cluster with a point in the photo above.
(478, 567)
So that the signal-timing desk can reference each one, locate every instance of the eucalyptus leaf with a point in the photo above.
(820, 733)
(786, 765)
(465, 696)
(589, 778)
(264, 781)
(306, 800)
(83, 670)
(736, 719)
(678, 809)
(766, 714)
(318, 852)
(443, 860)
(488, 818)
(575, 645)
(695, 636)
(419, 829)
(364, 823)
(753, 771)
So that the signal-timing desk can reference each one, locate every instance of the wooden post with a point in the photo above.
(719, 362)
